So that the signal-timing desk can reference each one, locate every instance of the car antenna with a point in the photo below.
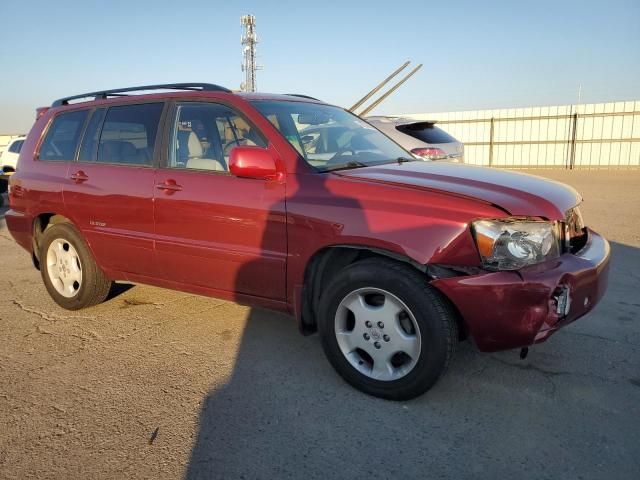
(378, 87)
(389, 92)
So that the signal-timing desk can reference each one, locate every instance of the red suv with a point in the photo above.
(242, 197)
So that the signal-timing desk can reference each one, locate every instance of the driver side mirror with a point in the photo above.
(253, 162)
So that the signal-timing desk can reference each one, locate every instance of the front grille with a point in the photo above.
(575, 233)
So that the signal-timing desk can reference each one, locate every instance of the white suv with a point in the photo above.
(422, 138)
(9, 156)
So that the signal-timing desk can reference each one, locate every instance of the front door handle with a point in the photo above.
(79, 177)
(169, 187)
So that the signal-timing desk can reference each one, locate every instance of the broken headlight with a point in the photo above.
(510, 244)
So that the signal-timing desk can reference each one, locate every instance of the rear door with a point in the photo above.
(47, 176)
(110, 187)
(213, 229)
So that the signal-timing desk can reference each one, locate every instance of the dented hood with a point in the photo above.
(518, 194)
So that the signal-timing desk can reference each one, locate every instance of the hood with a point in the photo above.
(518, 194)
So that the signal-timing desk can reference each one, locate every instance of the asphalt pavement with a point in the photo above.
(161, 384)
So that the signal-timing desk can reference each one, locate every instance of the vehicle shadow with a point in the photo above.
(284, 412)
(280, 379)
(118, 289)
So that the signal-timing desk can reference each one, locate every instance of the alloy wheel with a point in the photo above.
(64, 267)
(377, 334)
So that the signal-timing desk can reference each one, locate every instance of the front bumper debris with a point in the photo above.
(515, 309)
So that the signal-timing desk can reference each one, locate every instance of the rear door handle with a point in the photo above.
(169, 187)
(79, 177)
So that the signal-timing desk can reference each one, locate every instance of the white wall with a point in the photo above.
(607, 135)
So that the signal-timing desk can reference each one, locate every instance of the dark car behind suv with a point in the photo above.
(392, 260)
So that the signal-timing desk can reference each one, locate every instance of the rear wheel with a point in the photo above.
(385, 330)
(70, 274)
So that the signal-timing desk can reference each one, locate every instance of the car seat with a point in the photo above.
(195, 160)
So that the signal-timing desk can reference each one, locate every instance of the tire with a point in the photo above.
(73, 280)
(415, 343)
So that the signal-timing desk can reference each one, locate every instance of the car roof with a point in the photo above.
(278, 96)
(167, 91)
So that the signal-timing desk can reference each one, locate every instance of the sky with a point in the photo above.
(476, 54)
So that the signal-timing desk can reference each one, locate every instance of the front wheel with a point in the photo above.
(385, 330)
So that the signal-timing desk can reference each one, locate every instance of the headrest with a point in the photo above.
(194, 146)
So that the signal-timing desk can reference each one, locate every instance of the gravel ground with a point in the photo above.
(161, 384)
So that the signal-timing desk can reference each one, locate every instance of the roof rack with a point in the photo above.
(121, 92)
(302, 96)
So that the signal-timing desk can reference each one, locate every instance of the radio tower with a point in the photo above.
(249, 40)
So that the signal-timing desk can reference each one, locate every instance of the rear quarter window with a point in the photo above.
(63, 135)
(426, 132)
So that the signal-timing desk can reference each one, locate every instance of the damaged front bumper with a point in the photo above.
(514, 309)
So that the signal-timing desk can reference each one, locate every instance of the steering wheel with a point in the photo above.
(339, 154)
(227, 148)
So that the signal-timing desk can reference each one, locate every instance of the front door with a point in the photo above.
(110, 187)
(215, 230)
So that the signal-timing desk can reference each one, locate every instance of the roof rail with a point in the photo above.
(118, 92)
(302, 96)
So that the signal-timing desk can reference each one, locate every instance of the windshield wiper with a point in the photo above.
(346, 166)
(402, 160)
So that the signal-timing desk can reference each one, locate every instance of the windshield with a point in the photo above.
(330, 138)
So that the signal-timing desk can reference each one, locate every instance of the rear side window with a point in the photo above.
(128, 135)
(426, 132)
(61, 140)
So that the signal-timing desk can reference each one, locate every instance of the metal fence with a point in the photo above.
(599, 135)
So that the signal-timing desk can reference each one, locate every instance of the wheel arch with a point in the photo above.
(327, 261)
(331, 259)
(42, 222)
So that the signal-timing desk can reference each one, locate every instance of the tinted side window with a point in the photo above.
(129, 133)
(63, 135)
(204, 134)
(428, 134)
(89, 147)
